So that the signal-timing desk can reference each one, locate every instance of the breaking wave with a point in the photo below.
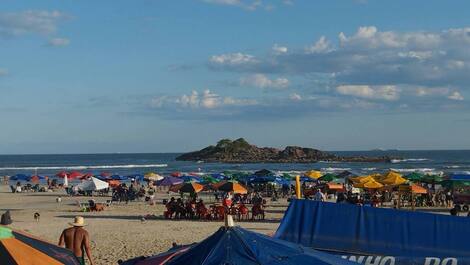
(409, 160)
(83, 167)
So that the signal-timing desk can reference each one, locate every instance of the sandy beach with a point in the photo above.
(118, 232)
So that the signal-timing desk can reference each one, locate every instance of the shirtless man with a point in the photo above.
(77, 240)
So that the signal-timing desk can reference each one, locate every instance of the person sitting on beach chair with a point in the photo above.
(170, 208)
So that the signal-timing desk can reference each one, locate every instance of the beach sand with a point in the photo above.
(118, 232)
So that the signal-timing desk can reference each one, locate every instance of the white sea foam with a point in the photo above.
(452, 166)
(333, 169)
(369, 168)
(426, 170)
(409, 160)
(84, 167)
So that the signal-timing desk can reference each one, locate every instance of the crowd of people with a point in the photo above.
(237, 205)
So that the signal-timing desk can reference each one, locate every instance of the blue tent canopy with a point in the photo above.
(238, 246)
(138, 177)
(408, 237)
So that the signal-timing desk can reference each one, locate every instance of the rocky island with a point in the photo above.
(240, 151)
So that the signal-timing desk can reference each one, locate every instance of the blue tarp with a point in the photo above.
(238, 246)
(407, 237)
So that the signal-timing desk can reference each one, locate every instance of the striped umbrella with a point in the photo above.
(234, 187)
(17, 248)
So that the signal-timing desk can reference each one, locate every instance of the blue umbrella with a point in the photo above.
(21, 177)
(190, 179)
(235, 245)
(138, 177)
(169, 181)
(118, 177)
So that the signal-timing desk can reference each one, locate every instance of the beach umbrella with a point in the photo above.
(263, 172)
(87, 175)
(74, 174)
(392, 179)
(17, 248)
(176, 174)
(114, 183)
(190, 179)
(413, 188)
(21, 177)
(314, 174)
(36, 178)
(118, 177)
(92, 184)
(328, 177)
(190, 187)
(169, 181)
(62, 174)
(287, 176)
(236, 245)
(432, 179)
(415, 176)
(152, 176)
(371, 184)
(210, 179)
(231, 186)
(362, 179)
(347, 174)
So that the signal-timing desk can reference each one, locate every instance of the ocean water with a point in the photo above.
(164, 163)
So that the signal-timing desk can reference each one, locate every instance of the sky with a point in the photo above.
(169, 76)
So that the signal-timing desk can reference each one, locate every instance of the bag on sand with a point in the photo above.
(6, 218)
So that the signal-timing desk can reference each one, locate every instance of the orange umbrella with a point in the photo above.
(335, 186)
(114, 183)
(234, 187)
(187, 187)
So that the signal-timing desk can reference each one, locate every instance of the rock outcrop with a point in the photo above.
(240, 151)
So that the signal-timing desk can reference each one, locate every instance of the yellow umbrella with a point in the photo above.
(153, 176)
(314, 174)
(392, 179)
(362, 179)
(371, 184)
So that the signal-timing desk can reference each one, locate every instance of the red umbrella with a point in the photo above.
(74, 174)
(176, 174)
(62, 174)
(86, 176)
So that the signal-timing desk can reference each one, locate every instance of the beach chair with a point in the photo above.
(243, 213)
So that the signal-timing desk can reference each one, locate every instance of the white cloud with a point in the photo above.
(370, 57)
(277, 49)
(455, 96)
(262, 81)
(245, 4)
(196, 100)
(295, 97)
(321, 46)
(30, 22)
(58, 42)
(371, 92)
(233, 59)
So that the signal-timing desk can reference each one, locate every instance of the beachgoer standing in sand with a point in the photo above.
(77, 240)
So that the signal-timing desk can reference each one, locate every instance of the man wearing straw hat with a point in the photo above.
(77, 240)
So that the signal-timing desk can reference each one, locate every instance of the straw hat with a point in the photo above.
(78, 221)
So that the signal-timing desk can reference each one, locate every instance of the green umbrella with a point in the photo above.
(328, 177)
(454, 183)
(209, 179)
(431, 179)
(287, 176)
(414, 176)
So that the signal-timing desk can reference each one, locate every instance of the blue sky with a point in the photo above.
(160, 76)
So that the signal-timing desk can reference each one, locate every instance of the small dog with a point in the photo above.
(36, 217)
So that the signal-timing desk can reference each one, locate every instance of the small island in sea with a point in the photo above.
(240, 151)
